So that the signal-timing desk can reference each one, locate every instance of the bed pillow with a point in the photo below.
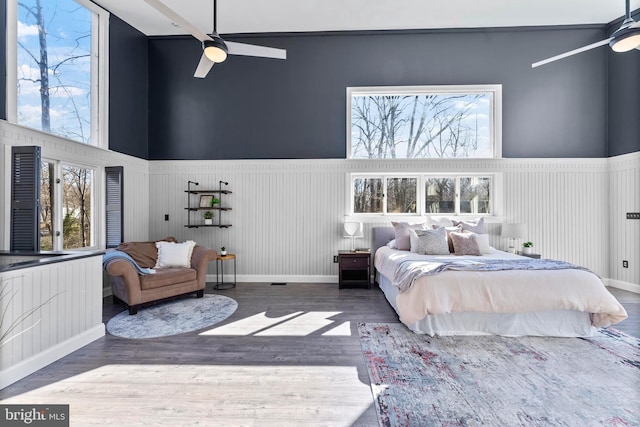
(440, 221)
(449, 230)
(483, 242)
(402, 234)
(174, 254)
(465, 244)
(392, 244)
(476, 226)
(429, 242)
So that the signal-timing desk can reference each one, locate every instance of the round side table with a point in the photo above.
(220, 283)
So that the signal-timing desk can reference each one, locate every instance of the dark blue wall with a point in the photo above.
(260, 108)
(624, 100)
(128, 89)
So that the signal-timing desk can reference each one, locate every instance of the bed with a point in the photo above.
(565, 302)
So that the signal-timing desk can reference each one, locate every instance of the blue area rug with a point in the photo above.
(418, 380)
(173, 317)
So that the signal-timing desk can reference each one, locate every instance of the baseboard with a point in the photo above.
(619, 284)
(46, 357)
(249, 278)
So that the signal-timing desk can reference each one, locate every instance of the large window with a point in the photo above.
(424, 122)
(58, 81)
(393, 194)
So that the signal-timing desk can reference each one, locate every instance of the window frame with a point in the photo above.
(495, 119)
(99, 71)
(496, 191)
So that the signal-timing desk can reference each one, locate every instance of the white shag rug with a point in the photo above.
(173, 317)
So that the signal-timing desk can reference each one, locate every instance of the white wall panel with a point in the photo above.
(287, 214)
(623, 197)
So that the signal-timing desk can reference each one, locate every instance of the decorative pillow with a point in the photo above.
(465, 244)
(483, 242)
(440, 221)
(476, 226)
(429, 242)
(392, 244)
(402, 234)
(145, 254)
(174, 254)
(456, 229)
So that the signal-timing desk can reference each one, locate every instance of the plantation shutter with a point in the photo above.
(25, 199)
(114, 205)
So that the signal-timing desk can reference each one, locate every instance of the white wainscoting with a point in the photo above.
(624, 241)
(67, 297)
(287, 214)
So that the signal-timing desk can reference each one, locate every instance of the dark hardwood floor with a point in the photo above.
(290, 355)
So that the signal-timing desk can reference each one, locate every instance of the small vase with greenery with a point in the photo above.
(208, 218)
(527, 247)
(223, 251)
(214, 201)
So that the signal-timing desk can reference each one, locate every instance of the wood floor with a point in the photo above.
(290, 355)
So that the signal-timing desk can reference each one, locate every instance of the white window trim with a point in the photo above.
(497, 201)
(496, 108)
(99, 71)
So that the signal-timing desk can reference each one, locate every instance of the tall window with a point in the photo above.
(59, 87)
(423, 194)
(424, 122)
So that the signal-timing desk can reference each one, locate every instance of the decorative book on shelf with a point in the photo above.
(200, 201)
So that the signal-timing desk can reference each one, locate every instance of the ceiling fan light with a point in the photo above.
(626, 40)
(215, 50)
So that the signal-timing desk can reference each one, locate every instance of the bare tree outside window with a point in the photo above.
(47, 210)
(77, 193)
(440, 195)
(54, 67)
(475, 195)
(401, 195)
(367, 195)
(421, 125)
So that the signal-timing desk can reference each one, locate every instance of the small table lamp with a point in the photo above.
(513, 231)
(353, 230)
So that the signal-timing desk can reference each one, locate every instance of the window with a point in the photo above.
(393, 194)
(424, 122)
(56, 80)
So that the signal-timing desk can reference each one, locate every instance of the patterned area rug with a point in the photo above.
(418, 380)
(173, 317)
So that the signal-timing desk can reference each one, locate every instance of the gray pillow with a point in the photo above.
(457, 229)
(430, 242)
(465, 244)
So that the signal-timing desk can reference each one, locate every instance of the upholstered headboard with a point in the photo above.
(382, 236)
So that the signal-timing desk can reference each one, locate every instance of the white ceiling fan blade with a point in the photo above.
(255, 50)
(571, 52)
(204, 66)
(174, 17)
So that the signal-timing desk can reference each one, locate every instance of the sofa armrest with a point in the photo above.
(200, 259)
(126, 279)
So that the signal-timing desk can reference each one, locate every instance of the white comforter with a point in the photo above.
(510, 291)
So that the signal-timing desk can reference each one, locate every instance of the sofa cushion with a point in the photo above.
(167, 277)
(145, 254)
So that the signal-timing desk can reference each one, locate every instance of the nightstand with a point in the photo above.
(355, 269)
(535, 256)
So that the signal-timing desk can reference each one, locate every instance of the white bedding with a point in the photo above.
(514, 291)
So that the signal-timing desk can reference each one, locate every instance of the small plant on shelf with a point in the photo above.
(223, 251)
(214, 201)
(208, 217)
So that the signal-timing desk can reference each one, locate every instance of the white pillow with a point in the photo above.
(174, 254)
(483, 242)
(392, 244)
(440, 221)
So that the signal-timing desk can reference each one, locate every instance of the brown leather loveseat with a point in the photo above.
(135, 289)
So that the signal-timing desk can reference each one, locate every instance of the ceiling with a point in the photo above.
(260, 16)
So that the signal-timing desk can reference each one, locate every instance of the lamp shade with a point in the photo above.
(216, 49)
(514, 231)
(625, 39)
(352, 228)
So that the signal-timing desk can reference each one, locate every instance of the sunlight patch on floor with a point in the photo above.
(294, 324)
(209, 394)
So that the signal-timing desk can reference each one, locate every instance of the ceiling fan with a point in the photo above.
(624, 39)
(214, 48)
